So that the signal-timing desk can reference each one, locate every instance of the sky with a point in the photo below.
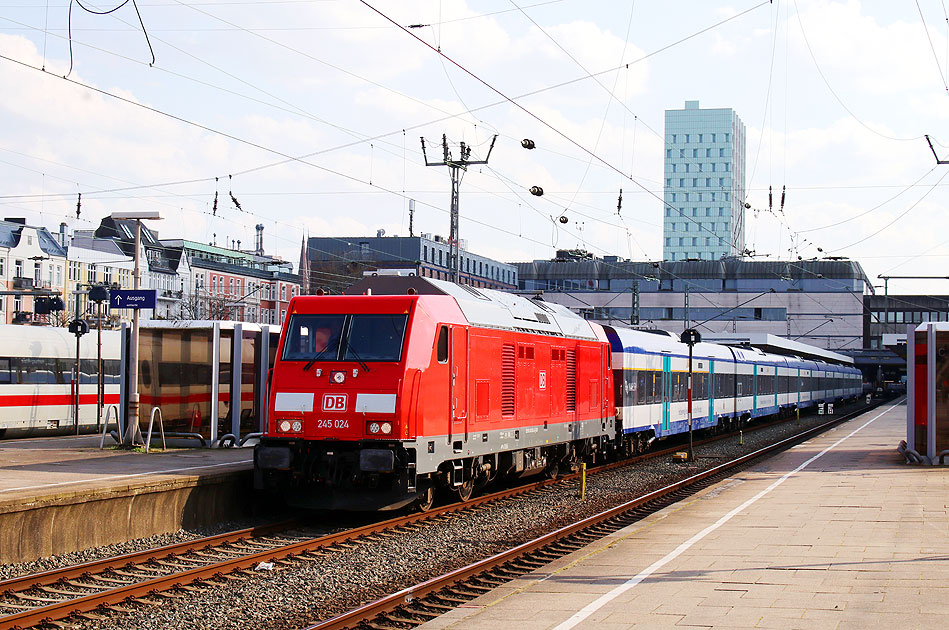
(310, 114)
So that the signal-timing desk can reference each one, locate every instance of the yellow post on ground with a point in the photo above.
(741, 438)
(583, 481)
(798, 413)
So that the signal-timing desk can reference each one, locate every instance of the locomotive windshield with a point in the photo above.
(345, 338)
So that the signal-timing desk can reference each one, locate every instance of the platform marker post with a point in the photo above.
(741, 438)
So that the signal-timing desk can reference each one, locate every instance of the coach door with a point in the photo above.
(666, 390)
(458, 383)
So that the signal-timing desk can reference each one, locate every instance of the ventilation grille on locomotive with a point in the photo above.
(508, 393)
(571, 380)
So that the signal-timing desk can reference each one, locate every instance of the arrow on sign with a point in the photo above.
(118, 299)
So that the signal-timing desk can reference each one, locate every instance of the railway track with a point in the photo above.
(427, 600)
(89, 590)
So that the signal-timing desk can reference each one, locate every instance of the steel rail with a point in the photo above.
(115, 595)
(407, 595)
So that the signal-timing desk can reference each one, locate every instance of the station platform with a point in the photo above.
(62, 494)
(836, 533)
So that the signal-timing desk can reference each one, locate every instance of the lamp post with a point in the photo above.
(138, 217)
(690, 337)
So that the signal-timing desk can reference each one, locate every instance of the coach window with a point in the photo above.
(443, 344)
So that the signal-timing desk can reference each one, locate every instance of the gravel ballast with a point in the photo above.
(308, 591)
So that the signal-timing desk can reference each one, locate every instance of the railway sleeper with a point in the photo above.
(382, 626)
(42, 600)
(59, 591)
(421, 612)
(402, 618)
(436, 605)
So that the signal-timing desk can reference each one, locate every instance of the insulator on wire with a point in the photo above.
(769, 198)
(214, 210)
(78, 205)
(563, 219)
(527, 143)
(619, 202)
(783, 191)
(537, 191)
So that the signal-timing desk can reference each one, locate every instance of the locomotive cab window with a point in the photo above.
(375, 338)
(345, 337)
(443, 344)
(313, 337)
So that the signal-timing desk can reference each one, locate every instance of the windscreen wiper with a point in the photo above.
(362, 364)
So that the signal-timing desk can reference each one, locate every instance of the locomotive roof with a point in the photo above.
(486, 307)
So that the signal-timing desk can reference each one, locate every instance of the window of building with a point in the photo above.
(668, 182)
(230, 285)
(700, 137)
(686, 226)
(107, 275)
(727, 167)
(721, 211)
(695, 212)
(695, 153)
(695, 241)
(708, 241)
(668, 242)
(713, 197)
(727, 137)
(681, 241)
(59, 273)
(686, 138)
(695, 182)
(713, 167)
(681, 182)
(713, 137)
(673, 138)
(708, 212)
(721, 153)
(674, 166)
(668, 153)
(672, 199)
(681, 153)
(238, 287)
(214, 284)
(283, 292)
(726, 196)
(686, 196)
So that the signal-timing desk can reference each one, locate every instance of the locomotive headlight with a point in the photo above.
(386, 427)
(284, 426)
(297, 426)
(374, 427)
(339, 377)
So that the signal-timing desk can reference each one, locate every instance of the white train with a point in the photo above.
(37, 374)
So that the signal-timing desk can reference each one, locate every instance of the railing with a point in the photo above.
(161, 427)
(105, 426)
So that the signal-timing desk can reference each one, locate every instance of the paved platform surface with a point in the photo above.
(70, 495)
(835, 533)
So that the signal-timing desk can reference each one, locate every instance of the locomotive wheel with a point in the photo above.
(426, 499)
(464, 491)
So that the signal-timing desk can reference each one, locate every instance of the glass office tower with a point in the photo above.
(704, 192)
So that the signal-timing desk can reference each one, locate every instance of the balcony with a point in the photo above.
(22, 283)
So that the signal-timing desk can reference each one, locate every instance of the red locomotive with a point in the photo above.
(405, 385)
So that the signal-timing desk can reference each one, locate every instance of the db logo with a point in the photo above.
(542, 380)
(334, 402)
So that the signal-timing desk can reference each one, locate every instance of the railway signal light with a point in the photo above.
(79, 327)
